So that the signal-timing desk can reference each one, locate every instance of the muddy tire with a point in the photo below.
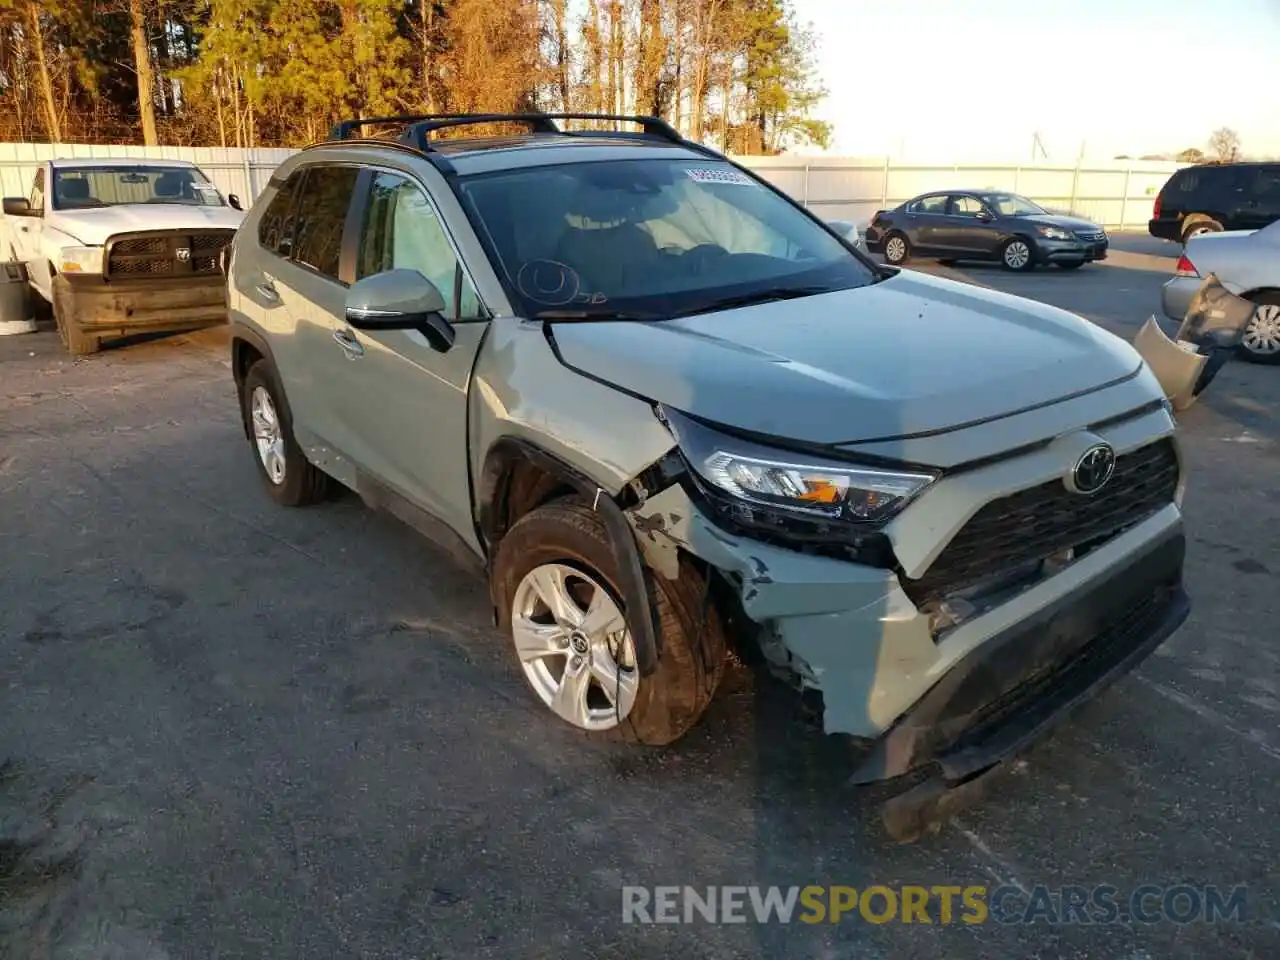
(567, 533)
(291, 480)
(77, 342)
(1198, 224)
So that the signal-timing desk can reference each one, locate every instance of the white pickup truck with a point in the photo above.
(124, 246)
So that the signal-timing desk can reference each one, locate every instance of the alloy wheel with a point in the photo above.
(1262, 335)
(574, 646)
(1017, 255)
(267, 434)
(895, 249)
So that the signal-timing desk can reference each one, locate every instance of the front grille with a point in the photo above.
(1032, 525)
(1090, 236)
(177, 254)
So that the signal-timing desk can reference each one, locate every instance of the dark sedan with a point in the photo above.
(956, 225)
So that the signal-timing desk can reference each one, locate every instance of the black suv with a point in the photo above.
(1214, 197)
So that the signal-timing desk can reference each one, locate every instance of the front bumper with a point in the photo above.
(1070, 251)
(1176, 295)
(122, 308)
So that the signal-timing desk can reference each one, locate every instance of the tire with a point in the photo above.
(1261, 339)
(1072, 265)
(1197, 225)
(566, 537)
(298, 482)
(897, 248)
(77, 342)
(1019, 255)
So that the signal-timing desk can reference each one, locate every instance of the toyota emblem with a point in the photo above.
(1093, 469)
(183, 254)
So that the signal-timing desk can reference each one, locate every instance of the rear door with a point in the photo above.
(927, 222)
(310, 293)
(1259, 198)
(403, 399)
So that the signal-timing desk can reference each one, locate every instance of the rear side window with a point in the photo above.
(37, 191)
(320, 215)
(275, 230)
(1185, 181)
(929, 205)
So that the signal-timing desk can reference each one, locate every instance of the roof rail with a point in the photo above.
(418, 127)
(347, 129)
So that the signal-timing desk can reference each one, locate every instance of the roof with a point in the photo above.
(71, 162)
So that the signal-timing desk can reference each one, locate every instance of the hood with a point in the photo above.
(1064, 221)
(92, 227)
(912, 354)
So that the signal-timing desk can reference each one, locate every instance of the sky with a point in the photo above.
(976, 79)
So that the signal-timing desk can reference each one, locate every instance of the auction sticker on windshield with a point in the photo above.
(711, 175)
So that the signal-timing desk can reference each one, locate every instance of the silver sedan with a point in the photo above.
(1248, 264)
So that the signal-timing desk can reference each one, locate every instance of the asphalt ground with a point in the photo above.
(233, 730)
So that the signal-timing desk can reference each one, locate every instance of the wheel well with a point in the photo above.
(512, 485)
(1254, 295)
(243, 356)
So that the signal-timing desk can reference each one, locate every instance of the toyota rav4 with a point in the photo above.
(668, 411)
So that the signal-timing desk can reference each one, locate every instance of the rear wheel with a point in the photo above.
(897, 248)
(1199, 225)
(1017, 255)
(290, 478)
(555, 584)
(1260, 342)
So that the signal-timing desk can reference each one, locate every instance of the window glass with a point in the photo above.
(320, 217)
(275, 229)
(402, 231)
(930, 205)
(1012, 205)
(1186, 181)
(966, 206)
(1266, 185)
(117, 185)
(649, 236)
(37, 191)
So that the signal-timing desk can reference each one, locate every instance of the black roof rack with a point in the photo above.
(418, 127)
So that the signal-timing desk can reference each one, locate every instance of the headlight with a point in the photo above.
(801, 486)
(1056, 233)
(81, 260)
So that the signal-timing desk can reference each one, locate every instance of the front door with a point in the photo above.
(26, 233)
(967, 234)
(404, 399)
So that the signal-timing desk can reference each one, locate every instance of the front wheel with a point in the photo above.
(1260, 342)
(77, 342)
(555, 584)
(897, 249)
(1017, 255)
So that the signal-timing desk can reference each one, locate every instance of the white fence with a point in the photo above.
(1116, 195)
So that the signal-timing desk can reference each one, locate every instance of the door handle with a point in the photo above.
(347, 341)
(267, 289)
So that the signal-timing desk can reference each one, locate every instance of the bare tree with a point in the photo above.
(1224, 144)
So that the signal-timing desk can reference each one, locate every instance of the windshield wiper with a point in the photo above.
(759, 296)
(587, 315)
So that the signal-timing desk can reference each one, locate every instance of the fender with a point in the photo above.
(633, 577)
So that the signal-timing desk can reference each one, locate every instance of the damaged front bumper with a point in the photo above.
(124, 307)
(959, 705)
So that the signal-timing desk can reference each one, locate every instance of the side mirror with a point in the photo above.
(400, 300)
(985, 216)
(18, 207)
(234, 202)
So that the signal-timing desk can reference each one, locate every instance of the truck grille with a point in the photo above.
(178, 254)
(1032, 525)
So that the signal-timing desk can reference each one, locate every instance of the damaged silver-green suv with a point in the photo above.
(670, 412)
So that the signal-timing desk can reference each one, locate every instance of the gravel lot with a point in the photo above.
(234, 730)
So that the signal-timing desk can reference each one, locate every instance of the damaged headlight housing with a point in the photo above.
(80, 260)
(760, 480)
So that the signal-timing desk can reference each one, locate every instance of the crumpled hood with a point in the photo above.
(1067, 223)
(92, 227)
(912, 354)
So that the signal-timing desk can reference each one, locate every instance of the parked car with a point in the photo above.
(123, 246)
(849, 230)
(1247, 263)
(1214, 197)
(954, 225)
(665, 409)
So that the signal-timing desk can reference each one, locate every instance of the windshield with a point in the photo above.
(86, 187)
(652, 238)
(1012, 205)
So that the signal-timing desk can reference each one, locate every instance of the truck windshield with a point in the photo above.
(621, 239)
(108, 186)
